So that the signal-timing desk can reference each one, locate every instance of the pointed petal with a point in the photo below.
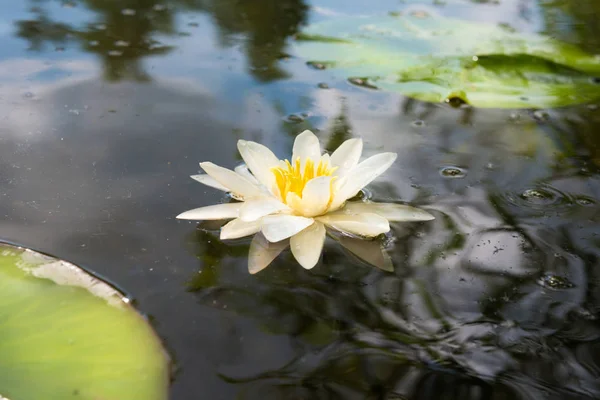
(367, 225)
(262, 253)
(208, 181)
(237, 228)
(245, 172)
(308, 245)
(369, 251)
(316, 197)
(389, 211)
(306, 145)
(346, 156)
(279, 227)
(362, 175)
(258, 208)
(259, 160)
(234, 182)
(218, 211)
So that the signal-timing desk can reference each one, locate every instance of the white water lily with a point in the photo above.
(299, 199)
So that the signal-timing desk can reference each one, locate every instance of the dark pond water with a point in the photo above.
(106, 108)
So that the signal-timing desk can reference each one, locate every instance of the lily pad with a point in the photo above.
(434, 58)
(67, 335)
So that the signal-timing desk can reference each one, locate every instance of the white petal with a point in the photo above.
(279, 227)
(306, 146)
(208, 181)
(315, 196)
(389, 211)
(245, 172)
(262, 253)
(234, 182)
(308, 245)
(346, 156)
(361, 175)
(370, 251)
(368, 225)
(259, 160)
(218, 211)
(258, 208)
(237, 228)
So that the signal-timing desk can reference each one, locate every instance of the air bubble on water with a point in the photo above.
(420, 14)
(584, 201)
(555, 282)
(418, 123)
(115, 53)
(121, 43)
(128, 11)
(193, 24)
(294, 118)
(28, 95)
(514, 116)
(323, 85)
(159, 7)
(537, 195)
(59, 49)
(316, 65)
(93, 43)
(101, 27)
(74, 111)
(362, 82)
(592, 107)
(541, 115)
(453, 172)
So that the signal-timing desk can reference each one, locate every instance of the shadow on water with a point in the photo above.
(497, 298)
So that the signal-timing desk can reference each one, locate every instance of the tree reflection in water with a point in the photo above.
(123, 33)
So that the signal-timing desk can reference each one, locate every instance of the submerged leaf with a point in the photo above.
(67, 335)
(437, 59)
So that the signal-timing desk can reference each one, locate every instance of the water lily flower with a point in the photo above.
(298, 199)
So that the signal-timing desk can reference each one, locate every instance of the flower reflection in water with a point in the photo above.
(466, 316)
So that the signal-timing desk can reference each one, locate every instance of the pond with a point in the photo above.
(107, 107)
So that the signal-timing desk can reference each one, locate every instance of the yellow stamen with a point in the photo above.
(293, 178)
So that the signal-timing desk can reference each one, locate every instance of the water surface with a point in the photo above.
(106, 108)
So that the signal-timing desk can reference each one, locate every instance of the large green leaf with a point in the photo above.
(434, 58)
(66, 335)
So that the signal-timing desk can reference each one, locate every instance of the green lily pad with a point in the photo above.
(433, 58)
(67, 335)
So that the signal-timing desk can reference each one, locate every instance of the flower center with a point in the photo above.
(292, 178)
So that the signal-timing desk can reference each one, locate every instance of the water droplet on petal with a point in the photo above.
(453, 172)
(556, 282)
